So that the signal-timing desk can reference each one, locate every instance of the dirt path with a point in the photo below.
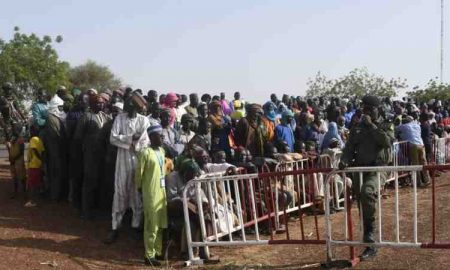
(51, 236)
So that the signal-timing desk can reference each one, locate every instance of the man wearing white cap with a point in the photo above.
(150, 181)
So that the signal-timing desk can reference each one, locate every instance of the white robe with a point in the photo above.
(125, 193)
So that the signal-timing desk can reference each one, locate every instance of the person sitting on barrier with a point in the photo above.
(331, 134)
(204, 161)
(284, 152)
(175, 184)
(334, 151)
(410, 131)
(219, 157)
(244, 159)
(367, 146)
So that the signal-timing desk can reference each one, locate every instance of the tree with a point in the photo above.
(93, 75)
(433, 90)
(358, 82)
(31, 63)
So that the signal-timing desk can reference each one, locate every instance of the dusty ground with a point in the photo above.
(51, 236)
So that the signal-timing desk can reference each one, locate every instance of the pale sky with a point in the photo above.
(255, 47)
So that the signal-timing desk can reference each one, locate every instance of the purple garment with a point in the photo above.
(225, 107)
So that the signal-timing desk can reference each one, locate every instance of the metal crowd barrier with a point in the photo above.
(219, 212)
(347, 239)
(296, 184)
(400, 153)
(245, 205)
(440, 151)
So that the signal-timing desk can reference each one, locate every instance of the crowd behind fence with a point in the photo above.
(250, 209)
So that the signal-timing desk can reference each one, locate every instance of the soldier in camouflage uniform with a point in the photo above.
(12, 123)
(369, 144)
(10, 111)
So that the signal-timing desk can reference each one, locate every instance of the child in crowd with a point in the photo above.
(16, 150)
(34, 167)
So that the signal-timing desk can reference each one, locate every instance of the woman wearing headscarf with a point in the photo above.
(284, 132)
(170, 102)
(331, 134)
(220, 128)
(269, 119)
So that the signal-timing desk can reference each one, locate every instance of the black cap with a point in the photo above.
(371, 101)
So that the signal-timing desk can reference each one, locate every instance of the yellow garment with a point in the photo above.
(270, 128)
(17, 168)
(150, 179)
(168, 166)
(34, 162)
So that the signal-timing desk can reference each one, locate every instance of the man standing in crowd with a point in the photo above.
(150, 181)
(367, 146)
(129, 134)
(75, 155)
(39, 110)
(410, 131)
(193, 104)
(55, 140)
(186, 133)
(110, 150)
(250, 132)
(87, 135)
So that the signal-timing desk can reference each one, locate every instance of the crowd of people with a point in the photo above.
(119, 150)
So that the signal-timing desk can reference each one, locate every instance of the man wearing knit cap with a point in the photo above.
(129, 135)
(150, 181)
(368, 145)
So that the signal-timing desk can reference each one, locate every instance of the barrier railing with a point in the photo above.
(440, 151)
(215, 206)
(336, 192)
(296, 184)
(361, 174)
(400, 153)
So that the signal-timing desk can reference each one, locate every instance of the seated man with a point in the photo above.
(203, 136)
(175, 184)
(203, 160)
(334, 151)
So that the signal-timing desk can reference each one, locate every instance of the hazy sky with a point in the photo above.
(256, 47)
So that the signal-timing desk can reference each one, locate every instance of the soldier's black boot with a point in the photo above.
(15, 187)
(368, 253)
(112, 237)
(369, 231)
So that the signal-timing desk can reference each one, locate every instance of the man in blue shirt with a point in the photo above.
(39, 109)
(410, 131)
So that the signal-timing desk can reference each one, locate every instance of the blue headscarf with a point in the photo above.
(332, 133)
(269, 110)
